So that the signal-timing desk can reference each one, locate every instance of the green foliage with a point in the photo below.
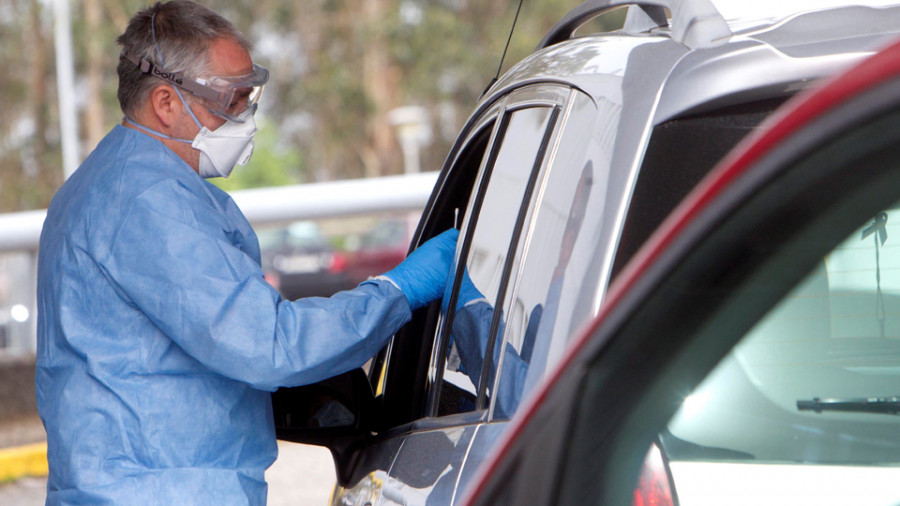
(338, 67)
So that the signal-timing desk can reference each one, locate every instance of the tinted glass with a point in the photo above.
(507, 183)
(665, 177)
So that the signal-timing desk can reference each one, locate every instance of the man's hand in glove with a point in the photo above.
(422, 276)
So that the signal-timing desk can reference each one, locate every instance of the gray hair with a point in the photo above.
(184, 30)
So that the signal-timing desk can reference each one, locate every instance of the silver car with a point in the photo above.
(753, 345)
(567, 165)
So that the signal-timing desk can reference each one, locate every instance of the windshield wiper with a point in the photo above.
(884, 405)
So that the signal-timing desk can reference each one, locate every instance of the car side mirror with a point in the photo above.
(335, 413)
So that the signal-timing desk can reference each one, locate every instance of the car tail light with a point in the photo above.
(338, 263)
(654, 487)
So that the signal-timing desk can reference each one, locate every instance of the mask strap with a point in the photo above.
(155, 44)
(154, 132)
(188, 107)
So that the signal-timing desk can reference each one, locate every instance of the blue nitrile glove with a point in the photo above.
(422, 276)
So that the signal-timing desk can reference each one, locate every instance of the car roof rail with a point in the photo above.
(695, 23)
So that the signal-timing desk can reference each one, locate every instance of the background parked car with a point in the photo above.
(298, 261)
(567, 165)
(754, 343)
(381, 248)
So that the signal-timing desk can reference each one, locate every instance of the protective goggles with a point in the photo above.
(225, 96)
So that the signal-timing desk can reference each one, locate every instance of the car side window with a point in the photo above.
(568, 208)
(665, 178)
(815, 381)
(396, 375)
(494, 218)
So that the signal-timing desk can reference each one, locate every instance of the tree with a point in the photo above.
(29, 146)
(338, 67)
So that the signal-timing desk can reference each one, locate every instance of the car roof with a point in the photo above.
(762, 55)
(641, 80)
(800, 112)
(738, 12)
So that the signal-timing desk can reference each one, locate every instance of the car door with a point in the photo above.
(509, 150)
(753, 343)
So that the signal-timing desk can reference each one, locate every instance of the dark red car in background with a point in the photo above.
(298, 260)
(381, 248)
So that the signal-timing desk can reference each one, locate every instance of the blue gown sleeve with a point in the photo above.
(171, 259)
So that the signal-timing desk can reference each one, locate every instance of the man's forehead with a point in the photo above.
(229, 58)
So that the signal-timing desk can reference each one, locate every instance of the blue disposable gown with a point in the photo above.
(159, 340)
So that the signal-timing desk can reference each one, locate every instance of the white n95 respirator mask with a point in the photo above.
(232, 98)
(228, 145)
(220, 149)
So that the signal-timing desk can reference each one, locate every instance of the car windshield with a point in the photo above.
(774, 9)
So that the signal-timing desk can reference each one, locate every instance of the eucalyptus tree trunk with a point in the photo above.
(37, 71)
(381, 84)
(93, 111)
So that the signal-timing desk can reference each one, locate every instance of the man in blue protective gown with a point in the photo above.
(159, 341)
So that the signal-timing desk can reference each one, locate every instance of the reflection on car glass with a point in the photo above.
(484, 272)
(812, 380)
(878, 231)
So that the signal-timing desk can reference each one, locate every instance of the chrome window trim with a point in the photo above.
(496, 114)
(546, 95)
(528, 232)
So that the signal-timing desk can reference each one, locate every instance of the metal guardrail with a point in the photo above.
(21, 231)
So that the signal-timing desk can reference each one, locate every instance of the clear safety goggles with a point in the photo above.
(225, 96)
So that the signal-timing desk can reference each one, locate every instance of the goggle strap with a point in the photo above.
(176, 78)
(153, 33)
(144, 64)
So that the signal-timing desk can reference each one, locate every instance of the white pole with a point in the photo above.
(65, 84)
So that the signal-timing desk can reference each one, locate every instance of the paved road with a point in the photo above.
(302, 475)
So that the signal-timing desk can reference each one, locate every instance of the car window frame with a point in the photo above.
(571, 118)
(555, 97)
(399, 390)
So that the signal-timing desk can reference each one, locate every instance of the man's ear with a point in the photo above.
(166, 105)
